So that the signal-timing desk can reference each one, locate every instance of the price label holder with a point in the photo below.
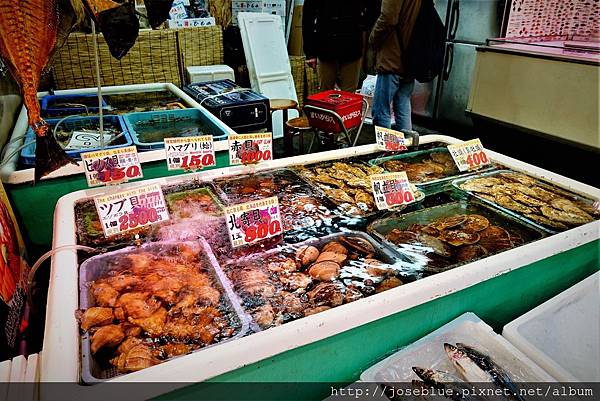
(253, 221)
(86, 140)
(131, 209)
(111, 166)
(469, 155)
(391, 190)
(389, 140)
(190, 153)
(250, 148)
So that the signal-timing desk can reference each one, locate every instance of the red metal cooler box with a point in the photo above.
(347, 105)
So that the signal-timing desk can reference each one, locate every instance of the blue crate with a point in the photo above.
(49, 110)
(164, 120)
(76, 123)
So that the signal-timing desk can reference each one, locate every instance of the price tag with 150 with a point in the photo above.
(250, 148)
(391, 190)
(131, 209)
(253, 221)
(390, 140)
(190, 153)
(469, 155)
(111, 166)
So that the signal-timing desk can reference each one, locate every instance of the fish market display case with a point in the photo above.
(343, 338)
(34, 205)
(543, 85)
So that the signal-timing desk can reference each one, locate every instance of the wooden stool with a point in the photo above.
(296, 126)
(284, 105)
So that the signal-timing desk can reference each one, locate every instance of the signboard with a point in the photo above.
(469, 155)
(112, 166)
(253, 221)
(389, 140)
(250, 148)
(190, 153)
(391, 190)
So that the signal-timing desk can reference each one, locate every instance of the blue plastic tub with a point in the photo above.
(66, 105)
(148, 129)
(78, 123)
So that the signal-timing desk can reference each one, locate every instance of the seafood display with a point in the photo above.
(346, 184)
(300, 206)
(141, 102)
(542, 203)
(440, 238)
(286, 284)
(189, 204)
(142, 306)
(30, 33)
(421, 167)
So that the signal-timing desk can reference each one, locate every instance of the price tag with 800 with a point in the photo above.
(250, 148)
(389, 140)
(253, 221)
(112, 166)
(391, 190)
(128, 210)
(190, 153)
(469, 155)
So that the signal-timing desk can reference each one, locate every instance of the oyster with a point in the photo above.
(569, 207)
(448, 222)
(364, 198)
(294, 281)
(314, 311)
(458, 237)
(546, 221)
(518, 177)
(339, 195)
(326, 270)
(509, 203)
(264, 316)
(285, 265)
(495, 239)
(326, 294)
(565, 216)
(352, 294)
(436, 246)
(401, 237)
(484, 184)
(324, 178)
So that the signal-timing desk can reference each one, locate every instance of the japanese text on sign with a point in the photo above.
(250, 148)
(128, 210)
(391, 190)
(85, 140)
(190, 153)
(253, 221)
(469, 155)
(112, 166)
(389, 140)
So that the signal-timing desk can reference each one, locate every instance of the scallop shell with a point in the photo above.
(326, 270)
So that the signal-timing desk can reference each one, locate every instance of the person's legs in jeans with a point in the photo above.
(385, 91)
(402, 109)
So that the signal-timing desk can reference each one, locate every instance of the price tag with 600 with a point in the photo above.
(250, 148)
(253, 221)
(190, 153)
(469, 155)
(389, 140)
(391, 190)
(111, 166)
(128, 210)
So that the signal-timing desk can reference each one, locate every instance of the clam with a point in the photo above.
(352, 294)
(294, 281)
(326, 294)
(333, 256)
(326, 270)
(359, 244)
(285, 265)
(336, 247)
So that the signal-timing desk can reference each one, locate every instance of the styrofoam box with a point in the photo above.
(428, 352)
(209, 73)
(563, 334)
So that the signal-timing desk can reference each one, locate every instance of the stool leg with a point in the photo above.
(301, 143)
(288, 139)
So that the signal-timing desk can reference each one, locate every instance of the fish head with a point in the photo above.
(424, 374)
(456, 356)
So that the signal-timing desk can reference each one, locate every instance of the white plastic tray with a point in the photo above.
(563, 334)
(9, 173)
(61, 337)
(428, 352)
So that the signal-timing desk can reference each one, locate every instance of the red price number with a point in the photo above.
(197, 161)
(119, 173)
(138, 218)
(398, 198)
(262, 230)
(255, 156)
(475, 160)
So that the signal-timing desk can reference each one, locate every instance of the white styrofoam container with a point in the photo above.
(563, 334)
(209, 73)
(60, 359)
(428, 352)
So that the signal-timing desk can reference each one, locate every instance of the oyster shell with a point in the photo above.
(475, 223)
(388, 284)
(336, 247)
(459, 237)
(448, 222)
(352, 294)
(564, 216)
(333, 256)
(295, 281)
(546, 221)
(326, 270)
(569, 207)
(401, 237)
(326, 294)
(339, 195)
(495, 239)
(509, 203)
(471, 252)
(437, 246)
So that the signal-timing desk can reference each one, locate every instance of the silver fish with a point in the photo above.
(499, 377)
(458, 390)
(467, 368)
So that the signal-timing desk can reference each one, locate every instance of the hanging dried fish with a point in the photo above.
(158, 11)
(29, 33)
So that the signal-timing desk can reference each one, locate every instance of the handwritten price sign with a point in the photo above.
(391, 190)
(128, 210)
(253, 221)
(389, 140)
(469, 155)
(250, 148)
(190, 153)
(112, 166)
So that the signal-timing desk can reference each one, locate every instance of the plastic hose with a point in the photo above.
(45, 256)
